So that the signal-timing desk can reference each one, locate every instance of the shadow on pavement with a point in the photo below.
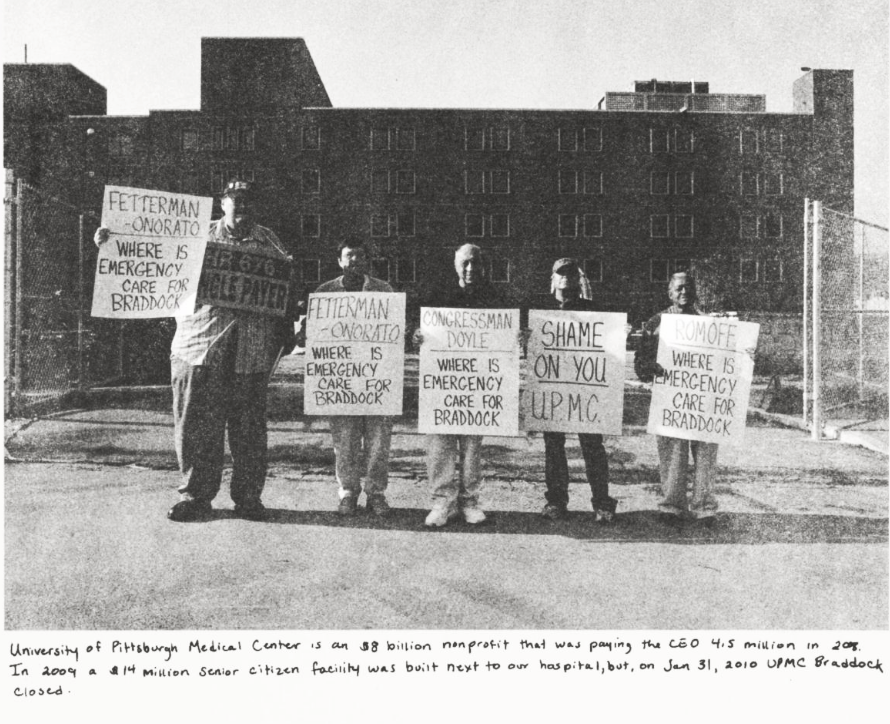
(633, 527)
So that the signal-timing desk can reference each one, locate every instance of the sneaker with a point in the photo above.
(554, 512)
(473, 514)
(255, 511)
(440, 515)
(186, 511)
(604, 516)
(347, 506)
(376, 504)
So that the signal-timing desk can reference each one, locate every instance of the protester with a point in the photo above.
(357, 434)
(673, 453)
(221, 360)
(459, 496)
(570, 291)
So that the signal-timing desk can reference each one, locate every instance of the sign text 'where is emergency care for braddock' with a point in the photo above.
(355, 353)
(469, 371)
(575, 372)
(702, 390)
(151, 263)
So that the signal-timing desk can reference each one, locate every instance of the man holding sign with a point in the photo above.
(354, 435)
(221, 358)
(699, 396)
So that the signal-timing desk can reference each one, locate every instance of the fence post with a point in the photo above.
(861, 313)
(806, 309)
(81, 376)
(9, 237)
(19, 308)
(817, 320)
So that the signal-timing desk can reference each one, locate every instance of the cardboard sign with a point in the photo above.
(703, 392)
(575, 372)
(150, 265)
(355, 353)
(255, 280)
(469, 371)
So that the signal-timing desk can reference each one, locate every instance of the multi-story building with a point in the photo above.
(667, 177)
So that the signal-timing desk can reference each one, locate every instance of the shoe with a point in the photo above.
(473, 515)
(440, 515)
(377, 505)
(604, 516)
(347, 506)
(256, 512)
(554, 512)
(186, 511)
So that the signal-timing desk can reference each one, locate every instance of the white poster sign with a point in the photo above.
(469, 372)
(703, 390)
(151, 263)
(355, 353)
(575, 372)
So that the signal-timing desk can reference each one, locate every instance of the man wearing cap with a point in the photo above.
(358, 435)
(220, 362)
(673, 453)
(570, 291)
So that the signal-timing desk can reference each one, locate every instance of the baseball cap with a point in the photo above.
(565, 266)
(236, 186)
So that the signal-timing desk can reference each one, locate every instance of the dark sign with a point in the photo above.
(253, 280)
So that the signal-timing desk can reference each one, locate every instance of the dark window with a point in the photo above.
(474, 139)
(683, 227)
(379, 139)
(593, 183)
(658, 226)
(405, 223)
(405, 181)
(568, 225)
(379, 224)
(311, 181)
(500, 139)
(593, 268)
(659, 183)
(568, 182)
(773, 141)
(380, 269)
(684, 183)
(593, 225)
(772, 225)
(771, 270)
(311, 137)
(748, 270)
(593, 138)
(406, 270)
(191, 140)
(500, 225)
(310, 224)
(474, 224)
(748, 181)
(379, 181)
(474, 182)
(500, 270)
(658, 140)
(773, 184)
(500, 182)
(748, 226)
(120, 144)
(748, 141)
(659, 270)
(684, 141)
(568, 139)
(405, 139)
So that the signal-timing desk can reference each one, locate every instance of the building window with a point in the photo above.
(379, 139)
(659, 270)
(748, 270)
(773, 141)
(684, 140)
(568, 182)
(499, 270)
(500, 225)
(659, 225)
(234, 138)
(385, 139)
(406, 270)
(310, 181)
(500, 138)
(684, 183)
(380, 269)
(191, 140)
(593, 269)
(748, 183)
(405, 223)
(488, 138)
(474, 224)
(748, 226)
(474, 139)
(474, 182)
(492, 182)
(567, 139)
(770, 270)
(568, 225)
(659, 183)
(405, 181)
(379, 225)
(593, 225)
(683, 226)
(379, 181)
(311, 270)
(120, 144)
(405, 139)
(500, 182)
(773, 184)
(311, 138)
(593, 183)
(772, 225)
(748, 141)
(658, 140)
(310, 224)
(593, 139)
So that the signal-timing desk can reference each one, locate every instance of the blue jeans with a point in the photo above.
(596, 464)
(361, 446)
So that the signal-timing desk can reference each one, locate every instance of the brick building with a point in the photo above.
(666, 177)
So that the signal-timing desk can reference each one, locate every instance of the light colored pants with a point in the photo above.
(442, 453)
(361, 446)
(673, 463)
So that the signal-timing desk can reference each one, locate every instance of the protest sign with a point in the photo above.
(256, 280)
(702, 393)
(355, 353)
(469, 372)
(575, 372)
(150, 265)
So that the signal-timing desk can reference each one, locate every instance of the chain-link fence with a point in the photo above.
(52, 344)
(847, 317)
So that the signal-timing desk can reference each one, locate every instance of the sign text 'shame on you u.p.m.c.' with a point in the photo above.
(151, 264)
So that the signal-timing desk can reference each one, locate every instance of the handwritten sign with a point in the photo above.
(355, 353)
(704, 389)
(575, 377)
(255, 280)
(469, 372)
(151, 263)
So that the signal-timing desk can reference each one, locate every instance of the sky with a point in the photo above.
(555, 54)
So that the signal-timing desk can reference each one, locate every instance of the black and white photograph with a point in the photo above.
(489, 346)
